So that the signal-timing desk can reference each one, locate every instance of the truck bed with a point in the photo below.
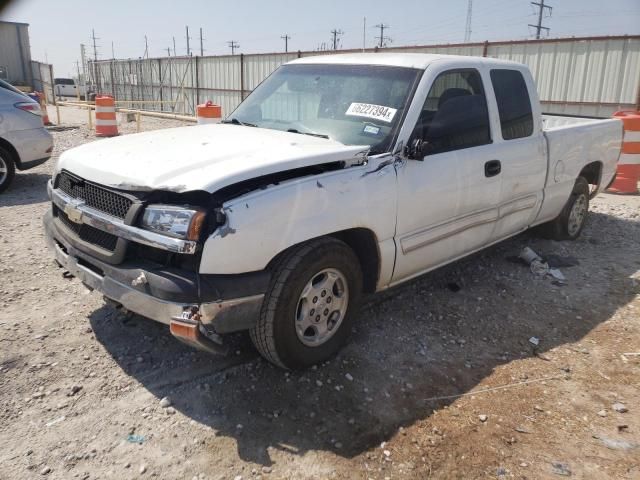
(572, 143)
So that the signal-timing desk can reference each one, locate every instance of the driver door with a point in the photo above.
(447, 202)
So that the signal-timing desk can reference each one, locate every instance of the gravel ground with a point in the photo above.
(441, 378)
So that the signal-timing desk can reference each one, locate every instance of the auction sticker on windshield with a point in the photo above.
(377, 112)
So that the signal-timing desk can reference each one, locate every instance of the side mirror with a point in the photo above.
(416, 150)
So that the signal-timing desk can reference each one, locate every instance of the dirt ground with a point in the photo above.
(441, 378)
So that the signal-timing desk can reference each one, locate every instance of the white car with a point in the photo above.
(338, 175)
(24, 142)
(67, 87)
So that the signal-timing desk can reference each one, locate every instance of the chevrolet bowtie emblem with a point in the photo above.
(73, 213)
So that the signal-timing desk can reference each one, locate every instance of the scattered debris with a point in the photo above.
(535, 341)
(540, 267)
(614, 444)
(602, 413)
(561, 469)
(620, 407)
(483, 418)
(349, 377)
(57, 420)
(73, 390)
(139, 439)
(45, 471)
(165, 402)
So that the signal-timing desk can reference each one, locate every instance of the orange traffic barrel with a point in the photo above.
(106, 123)
(628, 172)
(43, 108)
(209, 113)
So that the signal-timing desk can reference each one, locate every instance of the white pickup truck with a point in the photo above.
(338, 175)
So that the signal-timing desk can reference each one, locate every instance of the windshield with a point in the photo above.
(353, 104)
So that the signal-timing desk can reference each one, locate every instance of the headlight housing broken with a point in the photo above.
(174, 221)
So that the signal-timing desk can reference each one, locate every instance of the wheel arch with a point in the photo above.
(592, 173)
(11, 149)
(364, 244)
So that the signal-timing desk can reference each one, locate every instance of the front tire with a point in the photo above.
(309, 308)
(7, 169)
(569, 224)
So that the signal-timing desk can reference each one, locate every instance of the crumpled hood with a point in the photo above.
(202, 157)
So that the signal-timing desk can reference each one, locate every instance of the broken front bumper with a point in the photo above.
(197, 307)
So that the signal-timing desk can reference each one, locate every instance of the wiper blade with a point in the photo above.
(320, 135)
(235, 121)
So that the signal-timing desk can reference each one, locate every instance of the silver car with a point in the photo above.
(24, 142)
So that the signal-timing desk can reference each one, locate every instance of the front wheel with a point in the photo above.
(571, 221)
(309, 308)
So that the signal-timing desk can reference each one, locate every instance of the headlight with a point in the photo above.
(179, 222)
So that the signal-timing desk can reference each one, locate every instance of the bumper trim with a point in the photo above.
(240, 313)
(90, 216)
(32, 163)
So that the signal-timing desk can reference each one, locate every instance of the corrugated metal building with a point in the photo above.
(15, 53)
(591, 76)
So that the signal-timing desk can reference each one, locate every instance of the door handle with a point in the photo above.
(492, 168)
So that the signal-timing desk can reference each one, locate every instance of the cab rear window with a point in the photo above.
(514, 104)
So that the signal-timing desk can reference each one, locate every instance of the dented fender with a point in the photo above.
(263, 223)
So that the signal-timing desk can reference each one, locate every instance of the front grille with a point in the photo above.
(88, 233)
(93, 195)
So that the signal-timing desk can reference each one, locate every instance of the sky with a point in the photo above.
(58, 28)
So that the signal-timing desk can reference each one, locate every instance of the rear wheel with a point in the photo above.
(309, 308)
(7, 169)
(571, 221)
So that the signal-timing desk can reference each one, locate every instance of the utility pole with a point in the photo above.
(364, 33)
(467, 31)
(336, 40)
(201, 47)
(95, 59)
(175, 54)
(286, 39)
(233, 45)
(538, 27)
(168, 51)
(188, 48)
(146, 48)
(113, 55)
(84, 73)
(382, 40)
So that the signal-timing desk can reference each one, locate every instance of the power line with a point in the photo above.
(336, 40)
(286, 39)
(538, 27)
(233, 45)
(467, 32)
(382, 40)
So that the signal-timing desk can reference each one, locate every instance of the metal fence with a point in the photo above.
(592, 76)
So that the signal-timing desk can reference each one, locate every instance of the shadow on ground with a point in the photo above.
(419, 341)
(27, 188)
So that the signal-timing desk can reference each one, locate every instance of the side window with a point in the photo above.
(454, 115)
(514, 105)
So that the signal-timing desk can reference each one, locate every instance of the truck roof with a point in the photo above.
(409, 60)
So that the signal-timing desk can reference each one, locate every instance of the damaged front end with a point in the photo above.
(150, 266)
